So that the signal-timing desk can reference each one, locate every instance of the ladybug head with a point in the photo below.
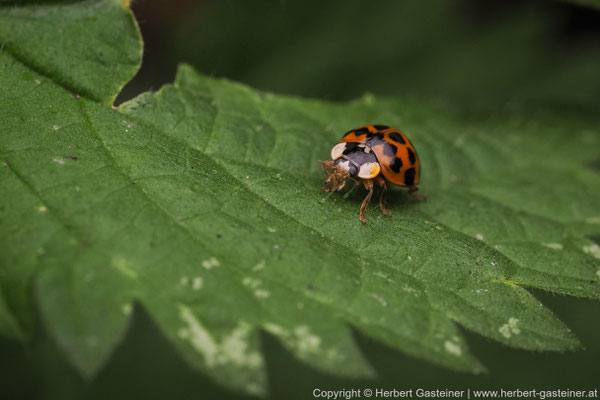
(336, 176)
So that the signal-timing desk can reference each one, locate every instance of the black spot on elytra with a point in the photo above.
(396, 137)
(381, 127)
(361, 131)
(396, 164)
(376, 136)
(409, 177)
(411, 156)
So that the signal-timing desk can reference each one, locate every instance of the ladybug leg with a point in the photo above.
(381, 183)
(327, 165)
(411, 192)
(369, 186)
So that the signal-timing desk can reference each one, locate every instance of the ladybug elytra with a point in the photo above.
(373, 154)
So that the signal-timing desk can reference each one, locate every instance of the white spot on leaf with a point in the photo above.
(261, 265)
(234, 349)
(197, 283)
(453, 348)
(379, 299)
(262, 293)
(554, 246)
(55, 127)
(306, 341)
(275, 329)
(59, 161)
(122, 265)
(510, 328)
(42, 209)
(255, 285)
(126, 308)
(272, 230)
(592, 249)
(211, 263)
(479, 236)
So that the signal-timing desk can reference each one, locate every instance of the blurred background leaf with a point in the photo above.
(473, 54)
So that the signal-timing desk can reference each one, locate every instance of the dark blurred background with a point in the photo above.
(476, 56)
(474, 53)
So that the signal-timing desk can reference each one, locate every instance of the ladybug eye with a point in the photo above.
(338, 150)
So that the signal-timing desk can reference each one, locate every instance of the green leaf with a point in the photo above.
(201, 203)
(91, 48)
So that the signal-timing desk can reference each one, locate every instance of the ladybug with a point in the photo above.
(373, 153)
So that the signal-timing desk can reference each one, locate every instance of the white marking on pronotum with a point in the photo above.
(211, 263)
(479, 236)
(453, 348)
(554, 246)
(510, 328)
(592, 249)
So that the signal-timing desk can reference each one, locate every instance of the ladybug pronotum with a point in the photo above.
(373, 154)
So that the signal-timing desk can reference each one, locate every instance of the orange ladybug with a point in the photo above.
(373, 153)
